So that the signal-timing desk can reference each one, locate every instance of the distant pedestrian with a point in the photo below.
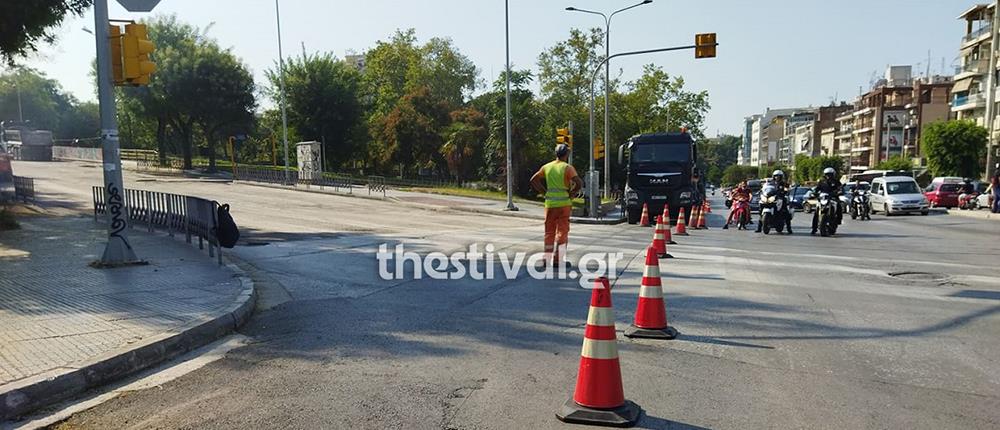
(994, 190)
(559, 182)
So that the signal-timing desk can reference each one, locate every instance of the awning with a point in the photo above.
(962, 86)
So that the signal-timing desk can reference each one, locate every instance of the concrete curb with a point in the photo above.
(598, 221)
(983, 214)
(21, 397)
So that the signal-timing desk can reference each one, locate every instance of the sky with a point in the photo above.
(772, 53)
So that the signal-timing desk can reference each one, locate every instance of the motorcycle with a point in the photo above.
(968, 201)
(860, 208)
(827, 208)
(741, 214)
(773, 210)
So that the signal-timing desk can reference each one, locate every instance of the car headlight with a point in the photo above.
(685, 195)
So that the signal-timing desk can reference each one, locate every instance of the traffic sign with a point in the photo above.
(138, 5)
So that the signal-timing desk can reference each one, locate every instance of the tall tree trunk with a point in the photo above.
(186, 145)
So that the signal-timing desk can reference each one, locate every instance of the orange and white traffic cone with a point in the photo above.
(668, 239)
(644, 220)
(651, 312)
(599, 398)
(701, 219)
(708, 207)
(694, 216)
(659, 242)
(681, 224)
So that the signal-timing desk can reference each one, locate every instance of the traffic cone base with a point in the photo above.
(626, 415)
(651, 333)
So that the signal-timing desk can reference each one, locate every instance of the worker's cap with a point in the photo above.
(562, 149)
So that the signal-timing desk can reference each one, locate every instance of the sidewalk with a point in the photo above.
(66, 327)
(978, 214)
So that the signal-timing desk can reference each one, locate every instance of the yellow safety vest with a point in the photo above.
(556, 194)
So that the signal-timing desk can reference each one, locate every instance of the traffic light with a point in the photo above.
(598, 149)
(115, 40)
(136, 48)
(563, 136)
(704, 45)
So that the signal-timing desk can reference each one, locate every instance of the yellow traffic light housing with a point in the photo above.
(598, 149)
(704, 45)
(136, 47)
(115, 41)
(563, 136)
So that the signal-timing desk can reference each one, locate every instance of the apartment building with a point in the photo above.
(930, 103)
(743, 157)
(879, 119)
(968, 89)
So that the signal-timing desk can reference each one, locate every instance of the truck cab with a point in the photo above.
(658, 169)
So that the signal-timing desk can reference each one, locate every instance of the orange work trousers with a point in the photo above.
(556, 230)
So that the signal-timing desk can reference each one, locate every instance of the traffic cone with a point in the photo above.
(599, 398)
(708, 207)
(695, 210)
(681, 224)
(651, 312)
(701, 219)
(668, 239)
(644, 220)
(659, 242)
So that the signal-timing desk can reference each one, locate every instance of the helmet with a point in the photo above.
(562, 150)
(777, 173)
(829, 172)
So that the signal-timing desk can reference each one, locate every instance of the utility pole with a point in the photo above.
(510, 153)
(281, 81)
(991, 86)
(118, 251)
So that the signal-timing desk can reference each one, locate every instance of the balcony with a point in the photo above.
(972, 68)
(965, 102)
(975, 35)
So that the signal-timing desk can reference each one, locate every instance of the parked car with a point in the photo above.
(897, 194)
(799, 195)
(943, 193)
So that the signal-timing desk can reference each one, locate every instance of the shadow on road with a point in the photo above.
(978, 294)
(651, 422)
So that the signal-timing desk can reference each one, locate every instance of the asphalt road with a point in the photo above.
(776, 331)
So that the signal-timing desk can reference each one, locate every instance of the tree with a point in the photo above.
(896, 162)
(464, 140)
(530, 146)
(734, 174)
(23, 24)
(44, 103)
(715, 155)
(954, 148)
(324, 103)
(410, 131)
(225, 91)
(808, 169)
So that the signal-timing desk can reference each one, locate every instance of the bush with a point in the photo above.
(954, 148)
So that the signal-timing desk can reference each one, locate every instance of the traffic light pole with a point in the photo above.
(592, 194)
(118, 250)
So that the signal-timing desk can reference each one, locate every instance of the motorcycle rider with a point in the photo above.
(832, 186)
(739, 194)
(778, 181)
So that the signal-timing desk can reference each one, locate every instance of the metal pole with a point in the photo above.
(118, 250)
(510, 177)
(20, 113)
(991, 86)
(607, 96)
(281, 81)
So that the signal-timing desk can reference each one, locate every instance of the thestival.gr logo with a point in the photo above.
(392, 265)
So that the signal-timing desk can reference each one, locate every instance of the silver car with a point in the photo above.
(897, 194)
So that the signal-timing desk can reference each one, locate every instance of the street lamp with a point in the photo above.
(607, 83)
(281, 83)
(510, 179)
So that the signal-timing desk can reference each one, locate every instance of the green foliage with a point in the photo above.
(716, 155)
(464, 138)
(765, 171)
(896, 162)
(954, 148)
(324, 104)
(530, 142)
(809, 169)
(735, 174)
(46, 105)
(24, 24)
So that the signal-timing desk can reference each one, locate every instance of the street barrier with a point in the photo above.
(76, 153)
(376, 184)
(194, 216)
(24, 188)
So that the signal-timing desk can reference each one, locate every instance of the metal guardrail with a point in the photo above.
(24, 188)
(175, 213)
(376, 184)
(139, 154)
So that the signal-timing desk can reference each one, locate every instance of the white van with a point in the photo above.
(897, 194)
